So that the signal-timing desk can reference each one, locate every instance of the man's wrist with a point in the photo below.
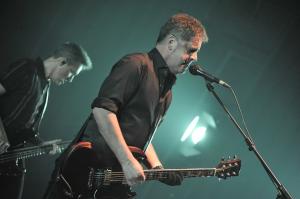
(158, 167)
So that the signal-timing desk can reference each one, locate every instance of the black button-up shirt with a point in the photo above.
(138, 91)
(23, 104)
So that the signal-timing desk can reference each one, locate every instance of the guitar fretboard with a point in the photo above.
(33, 151)
(186, 173)
(106, 177)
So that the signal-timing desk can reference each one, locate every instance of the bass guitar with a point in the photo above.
(84, 174)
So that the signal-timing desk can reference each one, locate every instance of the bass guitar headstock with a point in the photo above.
(228, 168)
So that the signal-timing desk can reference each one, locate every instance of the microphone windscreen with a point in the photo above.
(194, 69)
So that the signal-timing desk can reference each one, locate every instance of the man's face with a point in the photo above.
(65, 72)
(183, 54)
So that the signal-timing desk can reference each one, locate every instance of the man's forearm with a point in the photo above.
(109, 128)
(152, 157)
(2, 89)
(4, 143)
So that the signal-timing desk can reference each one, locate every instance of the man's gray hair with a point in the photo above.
(184, 26)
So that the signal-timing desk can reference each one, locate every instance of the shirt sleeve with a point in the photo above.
(15, 75)
(120, 85)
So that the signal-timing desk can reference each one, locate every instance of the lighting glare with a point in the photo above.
(189, 129)
(198, 134)
(209, 119)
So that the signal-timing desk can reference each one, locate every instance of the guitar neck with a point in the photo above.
(28, 152)
(161, 174)
(107, 177)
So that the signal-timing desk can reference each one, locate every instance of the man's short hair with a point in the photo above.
(74, 54)
(184, 26)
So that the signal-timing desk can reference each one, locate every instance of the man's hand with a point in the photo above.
(172, 179)
(3, 146)
(4, 143)
(133, 172)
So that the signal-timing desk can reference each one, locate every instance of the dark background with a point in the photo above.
(253, 45)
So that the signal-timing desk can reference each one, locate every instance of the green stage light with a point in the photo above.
(198, 134)
(189, 129)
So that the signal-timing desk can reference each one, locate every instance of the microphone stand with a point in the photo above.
(282, 191)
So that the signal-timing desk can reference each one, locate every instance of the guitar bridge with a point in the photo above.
(98, 177)
(107, 177)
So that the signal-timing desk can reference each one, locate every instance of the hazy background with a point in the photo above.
(253, 45)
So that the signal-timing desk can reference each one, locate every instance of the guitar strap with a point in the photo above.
(74, 141)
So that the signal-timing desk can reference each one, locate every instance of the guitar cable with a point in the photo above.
(69, 192)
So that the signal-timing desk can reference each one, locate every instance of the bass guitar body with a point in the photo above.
(85, 174)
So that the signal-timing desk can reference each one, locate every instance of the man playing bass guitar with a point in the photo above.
(129, 107)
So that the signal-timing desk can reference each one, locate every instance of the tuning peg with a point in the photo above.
(235, 157)
(222, 176)
(229, 157)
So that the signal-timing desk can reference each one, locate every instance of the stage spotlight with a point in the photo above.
(198, 134)
(189, 129)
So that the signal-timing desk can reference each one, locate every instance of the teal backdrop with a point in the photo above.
(253, 45)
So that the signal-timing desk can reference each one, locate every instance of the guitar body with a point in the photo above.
(83, 173)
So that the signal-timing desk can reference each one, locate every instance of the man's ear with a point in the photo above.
(172, 43)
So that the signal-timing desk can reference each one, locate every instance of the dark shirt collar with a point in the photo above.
(166, 78)
(158, 60)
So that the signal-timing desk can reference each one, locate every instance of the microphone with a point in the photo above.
(196, 69)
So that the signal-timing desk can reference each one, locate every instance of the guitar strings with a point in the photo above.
(119, 176)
